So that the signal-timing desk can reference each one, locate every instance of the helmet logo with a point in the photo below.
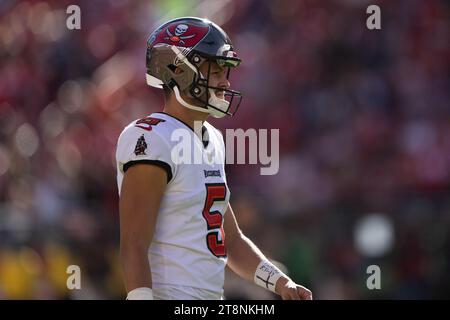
(181, 34)
(178, 36)
(180, 29)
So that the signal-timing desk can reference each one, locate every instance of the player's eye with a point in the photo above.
(216, 72)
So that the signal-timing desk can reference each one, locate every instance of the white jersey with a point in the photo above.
(188, 246)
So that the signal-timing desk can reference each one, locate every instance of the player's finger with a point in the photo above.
(287, 296)
(304, 293)
(295, 294)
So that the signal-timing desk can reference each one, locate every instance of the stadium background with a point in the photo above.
(364, 122)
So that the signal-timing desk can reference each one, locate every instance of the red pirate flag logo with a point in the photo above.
(178, 36)
(181, 34)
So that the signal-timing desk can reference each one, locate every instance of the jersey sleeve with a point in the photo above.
(137, 145)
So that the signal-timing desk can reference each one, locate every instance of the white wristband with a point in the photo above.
(143, 293)
(266, 275)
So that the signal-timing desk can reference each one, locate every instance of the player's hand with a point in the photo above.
(289, 290)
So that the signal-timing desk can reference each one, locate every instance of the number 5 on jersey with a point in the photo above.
(215, 192)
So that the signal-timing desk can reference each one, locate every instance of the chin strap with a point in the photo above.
(185, 104)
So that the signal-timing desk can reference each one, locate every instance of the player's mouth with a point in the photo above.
(220, 94)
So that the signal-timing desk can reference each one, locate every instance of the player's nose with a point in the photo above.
(224, 83)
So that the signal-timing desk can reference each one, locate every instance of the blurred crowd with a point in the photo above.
(364, 121)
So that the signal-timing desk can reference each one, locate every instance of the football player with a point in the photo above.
(177, 228)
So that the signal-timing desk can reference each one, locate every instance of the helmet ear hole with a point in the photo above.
(175, 69)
